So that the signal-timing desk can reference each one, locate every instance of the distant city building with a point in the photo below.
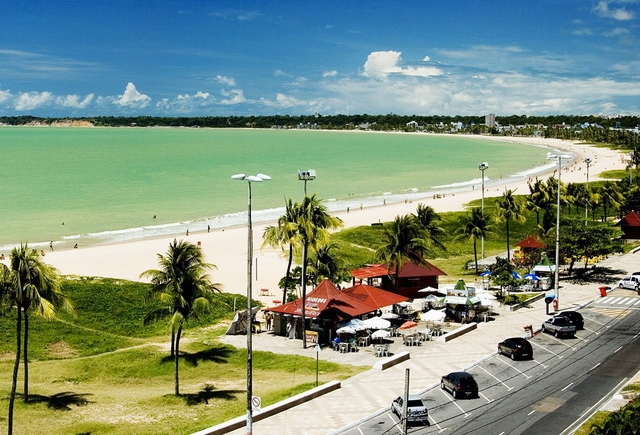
(490, 120)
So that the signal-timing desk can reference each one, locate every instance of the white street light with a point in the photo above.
(559, 158)
(306, 176)
(250, 179)
(587, 161)
(483, 166)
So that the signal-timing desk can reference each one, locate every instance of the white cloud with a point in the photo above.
(33, 100)
(4, 96)
(74, 101)
(620, 14)
(381, 64)
(426, 59)
(235, 96)
(229, 81)
(132, 98)
(331, 73)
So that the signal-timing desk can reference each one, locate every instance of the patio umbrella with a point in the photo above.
(346, 330)
(428, 289)
(434, 315)
(356, 324)
(389, 315)
(532, 277)
(486, 273)
(408, 325)
(377, 323)
(380, 333)
(516, 275)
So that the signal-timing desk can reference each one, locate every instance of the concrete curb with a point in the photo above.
(392, 361)
(457, 332)
(270, 410)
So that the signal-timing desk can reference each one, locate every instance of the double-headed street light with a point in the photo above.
(559, 158)
(305, 176)
(483, 167)
(250, 179)
(587, 161)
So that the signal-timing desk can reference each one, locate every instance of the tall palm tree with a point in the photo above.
(284, 235)
(474, 226)
(404, 242)
(429, 219)
(182, 284)
(509, 207)
(313, 223)
(325, 265)
(610, 197)
(538, 200)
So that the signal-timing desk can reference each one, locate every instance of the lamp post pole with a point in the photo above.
(250, 179)
(556, 277)
(587, 161)
(306, 176)
(483, 166)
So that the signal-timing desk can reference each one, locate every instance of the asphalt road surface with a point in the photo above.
(568, 379)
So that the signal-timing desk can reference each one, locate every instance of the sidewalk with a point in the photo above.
(373, 390)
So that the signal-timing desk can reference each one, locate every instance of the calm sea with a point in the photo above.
(101, 185)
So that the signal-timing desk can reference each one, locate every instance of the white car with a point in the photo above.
(630, 282)
(416, 409)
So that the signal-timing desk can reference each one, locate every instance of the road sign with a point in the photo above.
(256, 403)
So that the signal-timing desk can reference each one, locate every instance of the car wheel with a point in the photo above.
(513, 356)
(557, 334)
(442, 385)
(454, 394)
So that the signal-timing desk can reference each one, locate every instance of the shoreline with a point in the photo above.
(227, 247)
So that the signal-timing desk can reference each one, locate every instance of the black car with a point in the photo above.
(573, 317)
(516, 348)
(460, 385)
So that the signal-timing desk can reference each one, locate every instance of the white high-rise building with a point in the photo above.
(490, 120)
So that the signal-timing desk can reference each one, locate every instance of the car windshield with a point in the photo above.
(467, 382)
(415, 403)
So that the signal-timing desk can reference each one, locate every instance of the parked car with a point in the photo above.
(416, 410)
(460, 385)
(630, 282)
(559, 326)
(573, 317)
(516, 348)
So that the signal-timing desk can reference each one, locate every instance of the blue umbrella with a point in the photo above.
(486, 273)
(515, 275)
(532, 277)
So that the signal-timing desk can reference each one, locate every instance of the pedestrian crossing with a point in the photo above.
(618, 301)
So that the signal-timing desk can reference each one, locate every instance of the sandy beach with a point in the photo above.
(227, 249)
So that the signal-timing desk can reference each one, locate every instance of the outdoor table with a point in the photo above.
(423, 336)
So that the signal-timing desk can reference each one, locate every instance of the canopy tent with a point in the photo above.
(240, 322)
(545, 266)
(326, 302)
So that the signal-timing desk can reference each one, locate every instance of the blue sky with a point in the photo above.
(216, 58)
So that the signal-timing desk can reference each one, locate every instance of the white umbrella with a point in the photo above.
(434, 315)
(377, 323)
(389, 315)
(356, 324)
(346, 330)
(380, 333)
(428, 289)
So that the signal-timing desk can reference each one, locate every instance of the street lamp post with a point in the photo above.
(250, 179)
(306, 176)
(556, 277)
(587, 161)
(483, 166)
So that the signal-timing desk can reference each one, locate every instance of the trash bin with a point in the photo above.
(528, 331)
(603, 291)
(555, 305)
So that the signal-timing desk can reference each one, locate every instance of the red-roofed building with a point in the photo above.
(630, 225)
(411, 277)
(528, 251)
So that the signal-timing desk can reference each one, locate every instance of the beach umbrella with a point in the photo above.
(346, 330)
(428, 289)
(356, 324)
(389, 315)
(515, 275)
(377, 323)
(408, 325)
(434, 315)
(486, 273)
(532, 277)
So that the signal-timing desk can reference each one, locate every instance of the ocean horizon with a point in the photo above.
(95, 186)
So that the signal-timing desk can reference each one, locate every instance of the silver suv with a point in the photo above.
(416, 409)
(630, 282)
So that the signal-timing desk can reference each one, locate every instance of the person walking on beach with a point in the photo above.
(51, 245)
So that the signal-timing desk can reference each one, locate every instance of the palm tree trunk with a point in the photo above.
(286, 277)
(508, 252)
(304, 292)
(173, 342)
(176, 361)
(475, 253)
(26, 359)
(16, 365)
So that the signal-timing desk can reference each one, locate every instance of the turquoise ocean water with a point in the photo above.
(102, 185)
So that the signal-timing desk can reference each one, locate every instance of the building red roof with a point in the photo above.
(530, 242)
(374, 296)
(409, 270)
(632, 219)
(326, 301)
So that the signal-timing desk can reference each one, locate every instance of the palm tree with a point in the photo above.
(474, 226)
(538, 200)
(325, 265)
(313, 222)
(509, 207)
(282, 235)
(610, 197)
(183, 286)
(404, 242)
(428, 218)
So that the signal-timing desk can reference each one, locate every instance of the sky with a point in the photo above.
(69, 58)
